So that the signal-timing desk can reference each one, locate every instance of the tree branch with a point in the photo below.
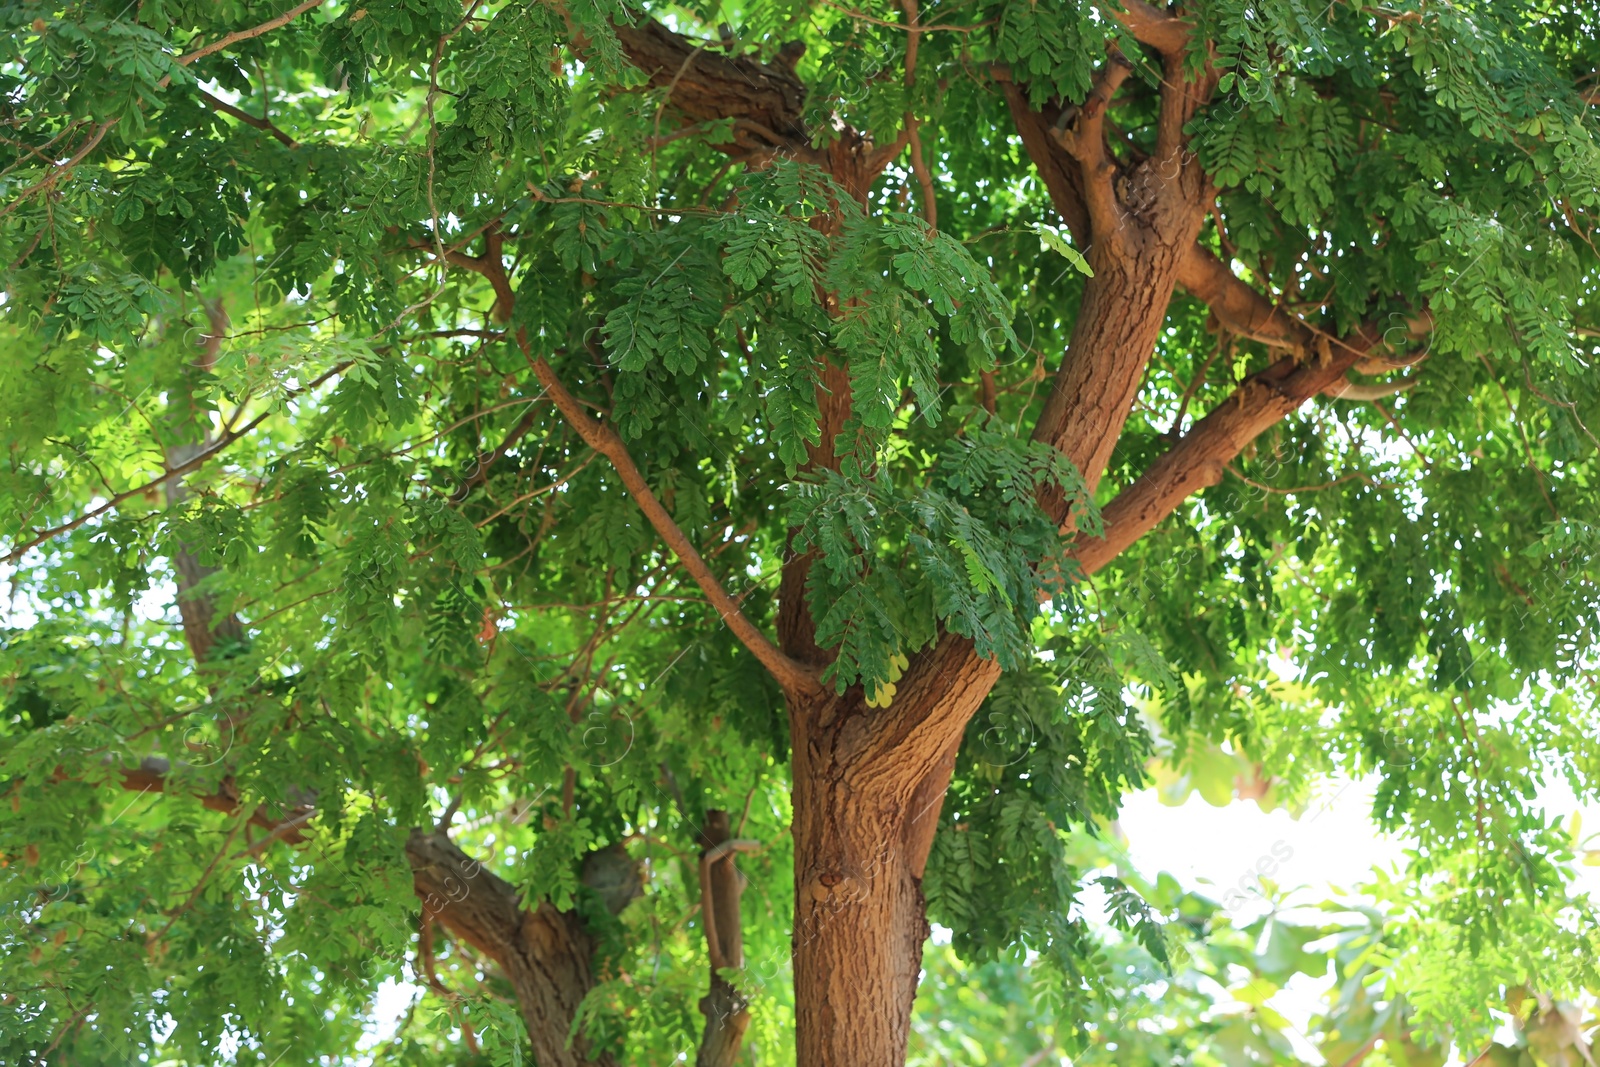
(1084, 140)
(1238, 306)
(708, 907)
(244, 35)
(1150, 25)
(491, 265)
(1062, 178)
(767, 96)
(19, 550)
(919, 164)
(248, 119)
(1199, 459)
(791, 676)
(544, 952)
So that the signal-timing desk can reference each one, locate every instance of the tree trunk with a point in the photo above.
(868, 784)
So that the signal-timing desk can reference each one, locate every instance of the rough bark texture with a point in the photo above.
(544, 953)
(868, 784)
(765, 100)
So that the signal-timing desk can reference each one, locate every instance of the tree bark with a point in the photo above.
(868, 784)
(726, 1010)
(544, 952)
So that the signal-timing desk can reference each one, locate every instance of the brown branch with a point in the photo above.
(919, 167)
(204, 628)
(1062, 178)
(1194, 387)
(1084, 140)
(151, 776)
(1199, 458)
(480, 470)
(1178, 99)
(767, 96)
(1150, 25)
(1238, 306)
(919, 163)
(791, 676)
(18, 550)
(278, 833)
(491, 265)
(244, 35)
(194, 894)
(248, 119)
(1277, 491)
(431, 974)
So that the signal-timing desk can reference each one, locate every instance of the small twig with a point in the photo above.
(18, 551)
(247, 118)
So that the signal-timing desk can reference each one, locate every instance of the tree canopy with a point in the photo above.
(620, 515)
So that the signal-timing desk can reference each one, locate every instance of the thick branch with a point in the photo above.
(1062, 178)
(491, 265)
(708, 85)
(544, 953)
(1150, 25)
(1238, 306)
(794, 678)
(1201, 456)
(1085, 141)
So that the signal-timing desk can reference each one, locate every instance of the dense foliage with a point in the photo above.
(305, 552)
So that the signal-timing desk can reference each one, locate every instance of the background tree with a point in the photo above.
(420, 414)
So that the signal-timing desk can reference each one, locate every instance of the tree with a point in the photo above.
(544, 424)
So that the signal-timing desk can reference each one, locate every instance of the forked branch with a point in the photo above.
(1199, 458)
(1084, 140)
(791, 676)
